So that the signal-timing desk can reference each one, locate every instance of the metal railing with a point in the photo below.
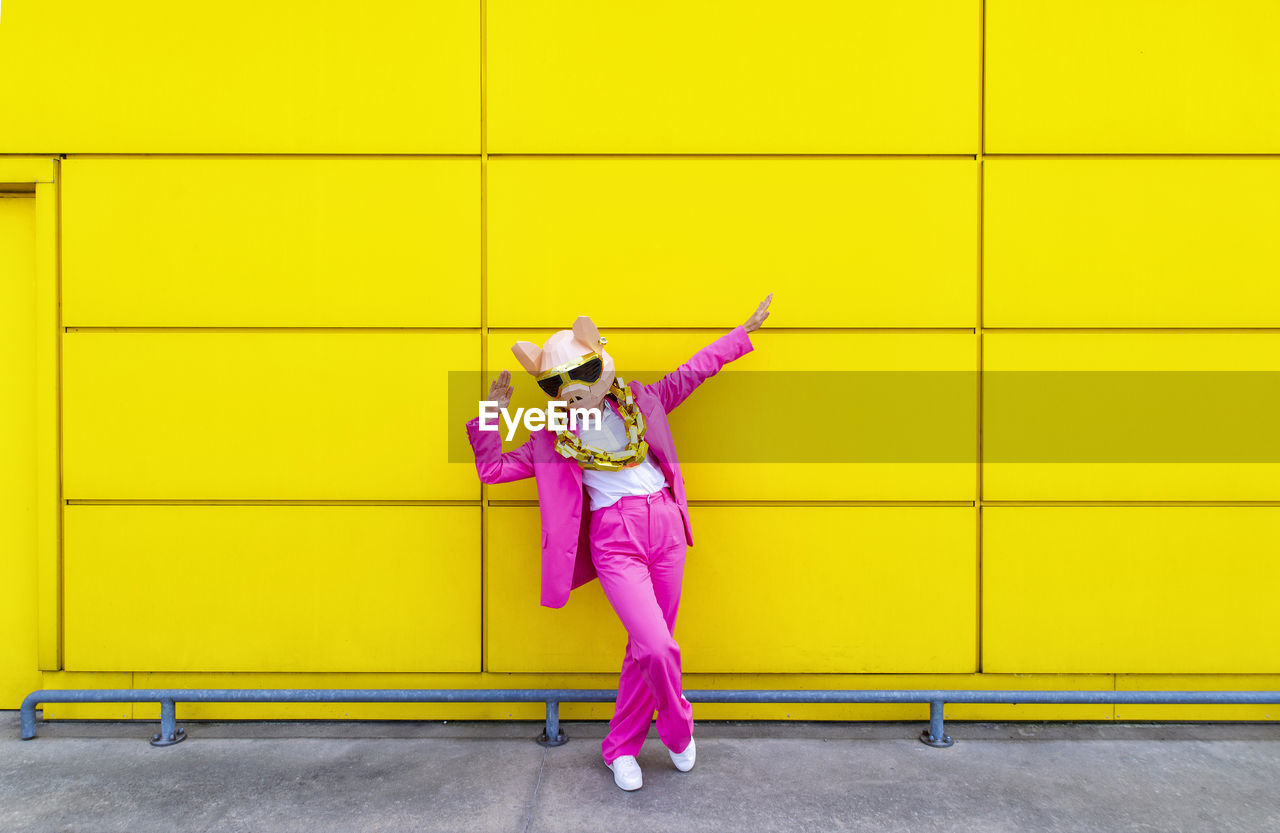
(553, 735)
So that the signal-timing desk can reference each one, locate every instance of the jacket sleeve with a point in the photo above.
(492, 463)
(676, 386)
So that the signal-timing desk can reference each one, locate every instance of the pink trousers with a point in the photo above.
(638, 548)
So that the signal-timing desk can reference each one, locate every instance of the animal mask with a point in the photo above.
(572, 366)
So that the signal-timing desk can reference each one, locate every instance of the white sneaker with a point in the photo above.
(684, 760)
(626, 772)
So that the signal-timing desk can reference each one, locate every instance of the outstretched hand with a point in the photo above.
(500, 389)
(757, 318)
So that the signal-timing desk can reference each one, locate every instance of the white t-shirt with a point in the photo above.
(605, 487)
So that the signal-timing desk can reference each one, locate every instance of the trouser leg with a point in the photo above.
(643, 586)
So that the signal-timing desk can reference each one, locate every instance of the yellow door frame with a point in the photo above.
(39, 174)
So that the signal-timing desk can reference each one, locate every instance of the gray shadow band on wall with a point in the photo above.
(922, 416)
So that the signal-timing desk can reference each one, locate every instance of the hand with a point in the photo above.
(757, 318)
(500, 389)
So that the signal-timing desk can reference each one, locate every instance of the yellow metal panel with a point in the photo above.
(312, 414)
(19, 664)
(272, 588)
(1129, 589)
(844, 242)
(27, 169)
(521, 635)
(836, 612)
(752, 391)
(48, 482)
(271, 242)
(1132, 76)
(62, 680)
(1197, 682)
(1096, 418)
(1131, 242)
(147, 76)
(818, 76)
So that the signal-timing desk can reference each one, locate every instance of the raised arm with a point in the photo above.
(492, 463)
(676, 386)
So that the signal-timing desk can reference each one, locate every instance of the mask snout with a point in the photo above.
(575, 394)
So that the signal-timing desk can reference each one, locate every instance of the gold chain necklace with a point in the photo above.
(632, 454)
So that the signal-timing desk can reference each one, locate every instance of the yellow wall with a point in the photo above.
(242, 252)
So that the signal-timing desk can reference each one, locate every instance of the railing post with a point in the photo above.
(29, 716)
(935, 735)
(552, 735)
(169, 733)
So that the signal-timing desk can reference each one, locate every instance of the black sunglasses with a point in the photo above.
(588, 372)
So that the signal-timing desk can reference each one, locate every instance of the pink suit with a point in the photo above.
(635, 546)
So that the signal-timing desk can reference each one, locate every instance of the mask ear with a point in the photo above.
(528, 354)
(587, 333)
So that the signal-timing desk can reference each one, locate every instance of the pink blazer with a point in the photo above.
(566, 551)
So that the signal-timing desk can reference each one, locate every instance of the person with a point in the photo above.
(634, 529)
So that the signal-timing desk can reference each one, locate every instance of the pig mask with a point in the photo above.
(570, 353)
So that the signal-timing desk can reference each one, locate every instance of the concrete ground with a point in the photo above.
(479, 776)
